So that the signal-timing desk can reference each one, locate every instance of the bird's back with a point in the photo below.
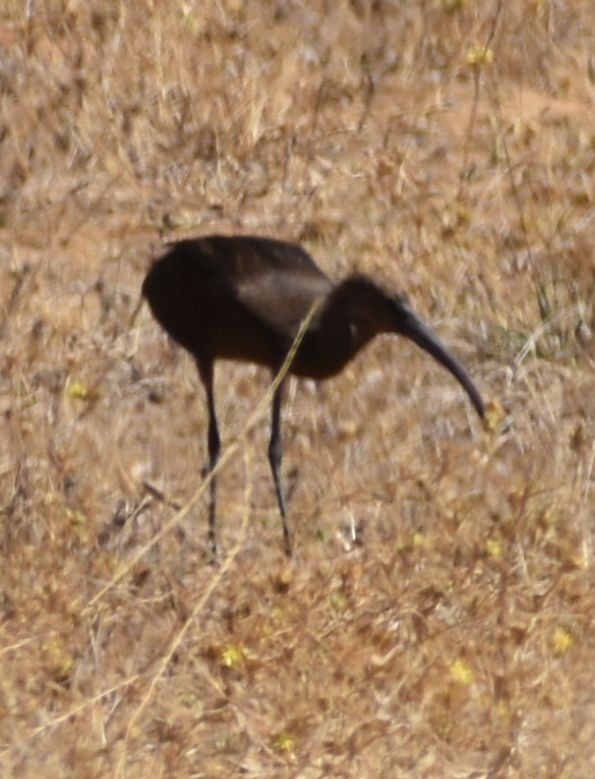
(237, 297)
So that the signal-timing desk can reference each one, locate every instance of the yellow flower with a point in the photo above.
(76, 517)
(479, 55)
(461, 672)
(494, 415)
(285, 742)
(232, 655)
(77, 390)
(563, 641)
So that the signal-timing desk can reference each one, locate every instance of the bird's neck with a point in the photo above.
(329, 344)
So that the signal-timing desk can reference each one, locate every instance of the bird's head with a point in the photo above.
(367, 307)
(372, 310)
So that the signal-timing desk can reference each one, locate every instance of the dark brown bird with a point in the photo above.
(243, 298)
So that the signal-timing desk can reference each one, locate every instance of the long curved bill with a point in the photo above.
(412, 327)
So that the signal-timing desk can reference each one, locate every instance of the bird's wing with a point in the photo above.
(282, 302)
(280, 291)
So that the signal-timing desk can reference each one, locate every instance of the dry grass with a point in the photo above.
(457, 640)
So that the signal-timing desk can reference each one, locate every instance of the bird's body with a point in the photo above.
(234, 299)
(244, 298)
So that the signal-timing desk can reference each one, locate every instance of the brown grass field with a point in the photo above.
(446, 147)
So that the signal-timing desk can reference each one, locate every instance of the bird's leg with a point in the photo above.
(214, 443)
(275, 455)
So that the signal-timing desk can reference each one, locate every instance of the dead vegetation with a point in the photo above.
(448, 147)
